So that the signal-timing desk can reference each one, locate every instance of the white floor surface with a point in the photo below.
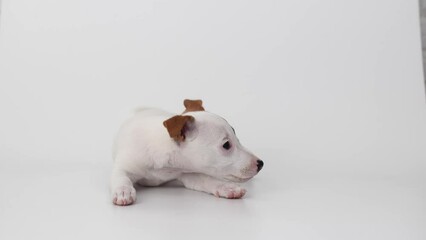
(71, 201)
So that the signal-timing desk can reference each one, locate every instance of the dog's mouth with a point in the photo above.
(234, 178)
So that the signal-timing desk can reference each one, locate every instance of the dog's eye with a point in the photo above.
(227, 145)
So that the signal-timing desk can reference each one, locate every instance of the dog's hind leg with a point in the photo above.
(208, 184)
(122, 190)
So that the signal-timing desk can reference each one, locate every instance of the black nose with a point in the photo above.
(259, 165)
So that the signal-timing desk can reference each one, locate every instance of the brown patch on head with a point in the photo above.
(193, 105)
(177, 126)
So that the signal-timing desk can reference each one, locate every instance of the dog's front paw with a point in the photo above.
(228, 190)
(124, 195)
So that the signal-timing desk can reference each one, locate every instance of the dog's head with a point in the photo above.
(210, 145)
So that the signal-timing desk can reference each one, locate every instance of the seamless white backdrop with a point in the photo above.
(329, 93)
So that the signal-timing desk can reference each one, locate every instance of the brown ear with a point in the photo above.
(177, 125)
(193, 105)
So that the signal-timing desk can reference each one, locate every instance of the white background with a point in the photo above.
(328, 93)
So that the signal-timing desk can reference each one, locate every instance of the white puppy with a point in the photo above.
(198, 148)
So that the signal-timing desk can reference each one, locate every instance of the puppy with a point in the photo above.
(198, 148)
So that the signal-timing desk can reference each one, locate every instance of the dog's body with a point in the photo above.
(198, 148)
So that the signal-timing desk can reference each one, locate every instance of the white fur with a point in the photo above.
(144, 153)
